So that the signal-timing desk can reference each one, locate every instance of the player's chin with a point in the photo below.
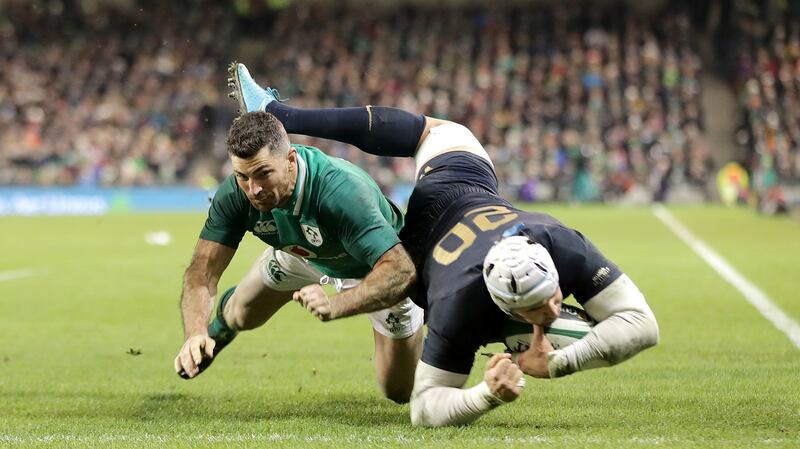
(262, 206)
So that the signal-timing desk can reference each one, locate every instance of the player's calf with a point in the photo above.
(398, 345)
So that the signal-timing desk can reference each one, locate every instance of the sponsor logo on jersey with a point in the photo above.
(312, 234)
(601, 276)
(425, 172)
(265, 227)
(275, 272)
(299, 251)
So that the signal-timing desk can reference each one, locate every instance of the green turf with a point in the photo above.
(722, 375)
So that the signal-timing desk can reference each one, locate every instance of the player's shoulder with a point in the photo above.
(340, 177)
(306, 151)
(540, 222)
(336, 186)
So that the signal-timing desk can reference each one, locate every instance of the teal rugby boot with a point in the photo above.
(250, 96)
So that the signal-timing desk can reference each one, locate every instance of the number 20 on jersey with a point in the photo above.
(463, 234)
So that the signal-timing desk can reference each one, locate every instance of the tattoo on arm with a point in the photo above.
(389, 282)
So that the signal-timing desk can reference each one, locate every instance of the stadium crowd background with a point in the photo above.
(572, 102)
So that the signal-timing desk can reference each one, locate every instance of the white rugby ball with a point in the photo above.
(572, 324)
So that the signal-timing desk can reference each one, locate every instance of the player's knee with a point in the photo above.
(399, 394)
(236, 317)
(241, 315)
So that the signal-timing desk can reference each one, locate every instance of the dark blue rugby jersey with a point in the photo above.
(454, 217)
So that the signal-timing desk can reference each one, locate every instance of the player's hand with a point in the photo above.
(534, 361)
(503, 377)
(314, 299)
(194, 349)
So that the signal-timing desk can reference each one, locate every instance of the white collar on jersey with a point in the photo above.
(300, 185)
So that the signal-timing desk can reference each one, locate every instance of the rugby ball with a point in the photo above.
(572, 324)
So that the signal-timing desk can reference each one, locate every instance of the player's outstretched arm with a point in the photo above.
(389, 282)
(626, 326)
(439, 400)
(197, 300)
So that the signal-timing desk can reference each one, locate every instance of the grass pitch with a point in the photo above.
(89, 326)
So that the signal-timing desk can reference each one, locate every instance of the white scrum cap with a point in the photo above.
(519, 273)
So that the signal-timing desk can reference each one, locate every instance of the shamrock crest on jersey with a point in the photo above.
(312, 234)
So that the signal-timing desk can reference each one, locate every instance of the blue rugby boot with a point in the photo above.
(247, 92)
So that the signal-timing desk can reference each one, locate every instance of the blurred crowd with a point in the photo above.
(107, 97)
(768, 80)
(569, 105)
(572, 103)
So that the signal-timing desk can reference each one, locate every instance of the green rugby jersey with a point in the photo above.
(337, 217)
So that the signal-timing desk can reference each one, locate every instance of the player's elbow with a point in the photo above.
(652, 336)
(420, 405)
(640, 332)
(405, 272)
(411, 279)
(419, 418)
(647, 329)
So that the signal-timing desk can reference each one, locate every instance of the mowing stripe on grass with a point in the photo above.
(146, 439)
(15, 274)
(350, 440)
(751, 293)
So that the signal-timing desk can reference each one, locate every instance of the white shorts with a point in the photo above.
(282, 271)
(448, 137)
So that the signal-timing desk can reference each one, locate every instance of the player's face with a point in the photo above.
(267, 180)
(546, 313)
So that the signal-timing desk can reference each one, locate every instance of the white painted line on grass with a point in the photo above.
(754, 295)
(15, 274)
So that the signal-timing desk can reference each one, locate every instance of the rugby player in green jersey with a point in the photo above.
(325, 221)
(484, 266)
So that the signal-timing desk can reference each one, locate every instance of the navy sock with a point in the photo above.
(377, 130)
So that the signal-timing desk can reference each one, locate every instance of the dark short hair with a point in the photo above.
(255, 130)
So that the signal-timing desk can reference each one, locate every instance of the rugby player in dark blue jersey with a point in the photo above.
(479, 262)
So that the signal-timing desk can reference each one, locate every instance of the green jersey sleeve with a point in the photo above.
(227, 217)
(364, 218)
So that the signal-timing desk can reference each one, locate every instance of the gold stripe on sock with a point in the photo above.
(369, 112)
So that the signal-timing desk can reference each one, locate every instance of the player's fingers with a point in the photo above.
(177, 364)
(196, 352)
(515, 381)
(209, 347)
(497, 358)
(307, 290)
(502, 366)
(188, 364)
(513, 368)
(322, 311)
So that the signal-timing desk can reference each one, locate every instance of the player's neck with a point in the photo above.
(293, 176)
